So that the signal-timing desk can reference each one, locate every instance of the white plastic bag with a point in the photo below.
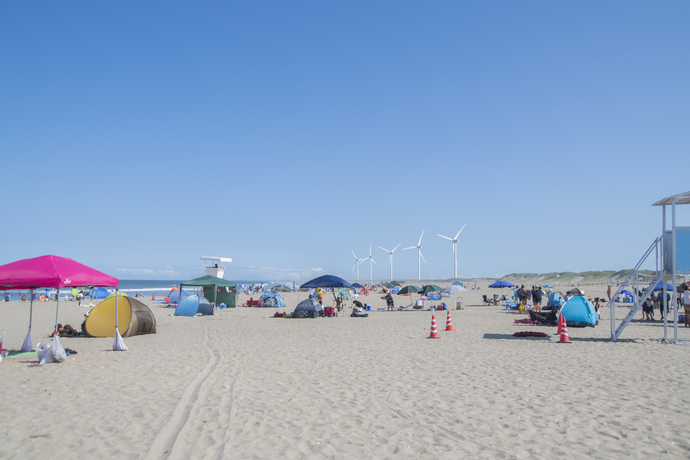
(59, 354)
(44, 353)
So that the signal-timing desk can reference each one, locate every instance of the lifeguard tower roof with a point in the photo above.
(217, 259)
(681, 198)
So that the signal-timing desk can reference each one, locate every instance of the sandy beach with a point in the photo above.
(242, 384)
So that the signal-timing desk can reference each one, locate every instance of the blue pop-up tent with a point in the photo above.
(579, 312)
(101, 293)
(272, 299)
(193, 304)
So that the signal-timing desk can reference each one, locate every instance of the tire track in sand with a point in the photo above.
(165, 440)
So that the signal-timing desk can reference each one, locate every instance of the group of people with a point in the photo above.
(535, 294)
(657, 301)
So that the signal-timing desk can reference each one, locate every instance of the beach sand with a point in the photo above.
(243, 384)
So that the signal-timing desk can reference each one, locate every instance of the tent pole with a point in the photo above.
(57, 309)
(116, 318)
(31, 308)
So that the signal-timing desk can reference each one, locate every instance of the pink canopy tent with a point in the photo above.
(52, 272)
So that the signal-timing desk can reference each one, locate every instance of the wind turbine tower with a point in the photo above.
(371, 259)
(455, 250)
(390, 258)
(357, 262)
(420, 257)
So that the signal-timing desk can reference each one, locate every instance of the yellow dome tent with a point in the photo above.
(135, 315)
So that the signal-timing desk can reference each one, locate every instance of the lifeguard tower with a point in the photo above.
(672, 254)
(215, 266)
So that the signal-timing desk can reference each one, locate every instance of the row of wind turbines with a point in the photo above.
(420, 257)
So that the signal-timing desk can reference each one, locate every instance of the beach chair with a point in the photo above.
(489, 301)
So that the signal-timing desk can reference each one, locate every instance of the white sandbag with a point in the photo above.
(27, 346)
(118, 343)
(44, 353)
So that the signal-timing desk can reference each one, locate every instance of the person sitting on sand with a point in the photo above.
(359, 307)
(67, 331)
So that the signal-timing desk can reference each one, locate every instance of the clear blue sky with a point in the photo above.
(138, 136)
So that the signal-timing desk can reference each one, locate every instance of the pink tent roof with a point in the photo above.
(51, 272)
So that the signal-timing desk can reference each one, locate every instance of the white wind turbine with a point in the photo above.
(455, 250)
(390, 258)
(357, 262)
(371, 259)
(420, 257)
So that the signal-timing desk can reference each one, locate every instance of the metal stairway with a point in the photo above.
(633, 281)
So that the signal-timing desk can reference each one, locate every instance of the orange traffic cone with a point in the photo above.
(434, 332)
(564, 332)
(153, 296)
(449, 323)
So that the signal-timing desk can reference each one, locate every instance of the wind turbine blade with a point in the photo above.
(353, 253)
(395, 248)
(422, 256)
(456, 236)
(411, 247)
(386, 250)
(420, 238)
(444, 237)
(353, 267)
(372, 259)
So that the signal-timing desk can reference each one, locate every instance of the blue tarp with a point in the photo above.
(277, 301)
(579, 312)
(326, 281)
(501, 284)
(192, 305)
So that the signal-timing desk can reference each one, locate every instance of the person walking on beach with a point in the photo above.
(686, 305)
(536, 298)
(608, 292)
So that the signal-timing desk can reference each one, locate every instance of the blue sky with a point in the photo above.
(138, 136)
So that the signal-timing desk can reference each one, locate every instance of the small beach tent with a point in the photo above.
(576, 291)
(134, 318)
(216, 290)
(120, 293)
(395, 290)
(555, 300)
(579, 312)
(174, 295)
(458, 283)
(272, 299)
(101, 293)
(308, 308)
(52, 272)
(281, 288)
(452, 289)
(193, 304)
(628, 293)
(346, 294)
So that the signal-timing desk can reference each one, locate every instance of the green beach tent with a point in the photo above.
(216, 290)
(119, 293)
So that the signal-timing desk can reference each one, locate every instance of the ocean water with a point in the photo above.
(147, 287)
